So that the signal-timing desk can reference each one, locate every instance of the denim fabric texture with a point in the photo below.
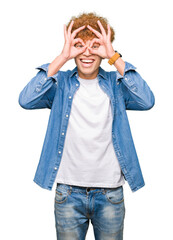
(75, 206)
(127, 92)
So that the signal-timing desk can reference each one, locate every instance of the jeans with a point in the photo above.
(75, 205)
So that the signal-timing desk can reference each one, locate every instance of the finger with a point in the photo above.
(76, 40)
(70, 27)
(109, 31)
(93, 51)
(65, 32)
(101, 28)
(94, 31)
(94, 40)
(77, 30)
(82, 50)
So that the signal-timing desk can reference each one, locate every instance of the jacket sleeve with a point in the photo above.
(136, 92)
(39, 92)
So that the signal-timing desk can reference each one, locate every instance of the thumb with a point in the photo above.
(83, 49)
(93, 51)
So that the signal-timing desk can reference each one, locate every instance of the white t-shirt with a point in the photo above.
(89, 158)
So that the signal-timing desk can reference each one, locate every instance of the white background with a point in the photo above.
(32, 34)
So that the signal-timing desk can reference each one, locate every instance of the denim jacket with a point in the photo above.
(127, 92)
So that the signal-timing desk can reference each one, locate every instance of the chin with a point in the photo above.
(88, 73)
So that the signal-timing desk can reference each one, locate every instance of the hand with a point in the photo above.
(70, 51)
(105, 50)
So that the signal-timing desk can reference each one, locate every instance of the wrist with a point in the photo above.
(55, 65)
(114, 58)
(64, 57)
(111, 54)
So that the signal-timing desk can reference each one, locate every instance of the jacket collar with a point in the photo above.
(101, 73)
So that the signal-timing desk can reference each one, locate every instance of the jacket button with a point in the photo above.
(77, 84)
(69, 97)
(67, 115)
(59, 152)
(62, 133)
(55, 168)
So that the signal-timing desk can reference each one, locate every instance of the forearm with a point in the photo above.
(120, 65)
(56, 64)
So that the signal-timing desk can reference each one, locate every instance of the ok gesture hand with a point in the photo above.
(70, 51)
(105, 49)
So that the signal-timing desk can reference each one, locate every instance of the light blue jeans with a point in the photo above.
(75, 205)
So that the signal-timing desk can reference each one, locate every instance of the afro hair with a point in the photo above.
(89, 19)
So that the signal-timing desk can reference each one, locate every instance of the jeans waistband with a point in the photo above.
(81, 188)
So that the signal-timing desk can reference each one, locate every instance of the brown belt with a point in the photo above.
(88, 189)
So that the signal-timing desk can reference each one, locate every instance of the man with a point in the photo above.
(88, 148)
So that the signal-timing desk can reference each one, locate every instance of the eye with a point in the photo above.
(78, 45)
(95, 46)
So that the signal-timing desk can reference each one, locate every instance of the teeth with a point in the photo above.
(87, 61)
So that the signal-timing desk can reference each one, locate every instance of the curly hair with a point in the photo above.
(89, 19)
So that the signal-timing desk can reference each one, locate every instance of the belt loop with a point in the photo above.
(70, 189)
(104, 190)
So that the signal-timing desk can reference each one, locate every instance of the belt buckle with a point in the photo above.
(89, 188)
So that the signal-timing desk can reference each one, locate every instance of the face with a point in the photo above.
(87, 63)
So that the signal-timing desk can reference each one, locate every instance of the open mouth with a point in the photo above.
(87, 62)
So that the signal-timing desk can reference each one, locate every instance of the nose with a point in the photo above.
(86, 53)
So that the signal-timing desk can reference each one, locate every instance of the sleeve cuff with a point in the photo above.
(128, 66)
(44, 67)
